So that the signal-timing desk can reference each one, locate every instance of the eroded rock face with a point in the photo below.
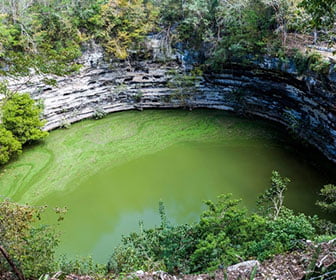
(306, 105)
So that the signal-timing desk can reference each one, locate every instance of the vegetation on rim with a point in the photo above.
(47, 36)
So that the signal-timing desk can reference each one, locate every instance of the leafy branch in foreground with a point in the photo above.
(30, 244)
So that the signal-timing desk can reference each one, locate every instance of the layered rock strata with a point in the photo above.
(305, 104)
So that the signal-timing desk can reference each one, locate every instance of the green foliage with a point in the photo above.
(40, 52)
(44, 36)
(163, 248)
(328, 195)
(225, 234)
(301, 62)
(195, 25)
(30, 245)
(98, 114)
(8, 35)
(254, 272)
(321, 11)
(9, 146)
(123, 24)
(224, 28)
(193, 20)
(311, 61)
(271, 201)
(323, 228)
(232, 234)
(21, 123)
(47, 36)
(80, 266)
(218, 224)
(247, 28)
(184, 85)
(4, 90)
(281, 235)
(318, 64)
(21, 116)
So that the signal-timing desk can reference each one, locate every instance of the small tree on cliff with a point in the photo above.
(271, 201)
(21, 116)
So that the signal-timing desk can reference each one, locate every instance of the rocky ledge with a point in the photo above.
(315, 261)
(306, 104)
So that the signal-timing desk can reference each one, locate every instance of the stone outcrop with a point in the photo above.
(271, 90)
(295, 265)
(246, 266)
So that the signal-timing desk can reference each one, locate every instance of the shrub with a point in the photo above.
(225, 234)
(283, 234)
(9, 146)
(311, 61)
(328, 194)
(29, 244)
(318, 64)
(81, 266)
(166, 247)
(99, 113)
(221, 230)
(21, 116)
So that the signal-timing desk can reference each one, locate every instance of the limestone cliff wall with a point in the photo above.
(305, 104)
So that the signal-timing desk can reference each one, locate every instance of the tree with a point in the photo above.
(328, 193)
(30, 245)
(123, 24)
(280, 8)
(322, 13)
(21, 116)
(220, 229)
(271, 201)
(9, 146)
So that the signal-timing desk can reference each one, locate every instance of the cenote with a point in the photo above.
(111, 173)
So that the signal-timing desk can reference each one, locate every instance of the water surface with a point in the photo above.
(112, 173)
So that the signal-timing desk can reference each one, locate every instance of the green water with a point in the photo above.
(112, 173)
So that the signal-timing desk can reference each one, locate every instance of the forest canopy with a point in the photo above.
(48, 35)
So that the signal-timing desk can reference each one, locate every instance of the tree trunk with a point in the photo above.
(315, 36)
(17, 271)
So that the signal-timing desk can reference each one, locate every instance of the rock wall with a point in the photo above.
(271, 90)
